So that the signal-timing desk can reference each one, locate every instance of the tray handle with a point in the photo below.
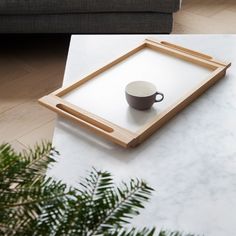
(83, 118)
(94, 123)
(189, 51)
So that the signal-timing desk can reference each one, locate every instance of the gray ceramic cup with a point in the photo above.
(141, 95)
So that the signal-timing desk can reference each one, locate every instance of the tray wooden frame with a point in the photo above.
(120, 135)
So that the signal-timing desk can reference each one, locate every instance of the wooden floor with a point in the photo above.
(206, 17)
(32, 66)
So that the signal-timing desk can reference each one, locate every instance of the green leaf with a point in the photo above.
(33, 204)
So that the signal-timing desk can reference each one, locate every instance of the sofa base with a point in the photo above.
(101, 23)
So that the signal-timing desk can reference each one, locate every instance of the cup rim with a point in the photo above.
(131, 92)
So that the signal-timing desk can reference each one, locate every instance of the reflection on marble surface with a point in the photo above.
(190, 162)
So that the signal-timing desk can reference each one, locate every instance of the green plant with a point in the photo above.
(33, 204)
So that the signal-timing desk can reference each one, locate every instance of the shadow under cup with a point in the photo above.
(141, 95)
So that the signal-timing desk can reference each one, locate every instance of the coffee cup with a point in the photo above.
(141, 95)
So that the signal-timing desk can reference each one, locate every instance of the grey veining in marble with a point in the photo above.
(191, 161)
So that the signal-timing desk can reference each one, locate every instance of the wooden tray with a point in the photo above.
(98, 103)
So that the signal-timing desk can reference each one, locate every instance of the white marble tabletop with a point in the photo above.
(190, 162)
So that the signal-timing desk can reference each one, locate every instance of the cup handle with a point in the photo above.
(162, 97)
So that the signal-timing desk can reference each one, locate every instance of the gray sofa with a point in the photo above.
(87, 16)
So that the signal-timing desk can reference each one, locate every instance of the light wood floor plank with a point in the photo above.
(10, 70)
(206, 8)
(231, 17)
(17, 146)
(206, 17)
(197, 24)
(22, 119)
(30, 86)
(30, 66)
(43, 133)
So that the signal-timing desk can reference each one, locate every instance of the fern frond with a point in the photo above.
(30, 203)
(24, 191)
(96, 183)
(175, 233)
(17, 169)
(33, 204)
(118, 205)
(131, 232)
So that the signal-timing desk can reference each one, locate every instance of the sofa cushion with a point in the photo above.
(88, 23)
(30, 7)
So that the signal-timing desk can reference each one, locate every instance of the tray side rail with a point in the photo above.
(94, 123)
(158, 122)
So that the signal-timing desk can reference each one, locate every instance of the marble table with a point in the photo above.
(190, 162)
